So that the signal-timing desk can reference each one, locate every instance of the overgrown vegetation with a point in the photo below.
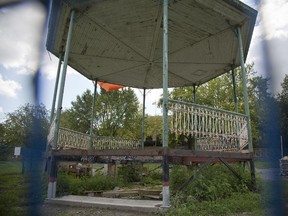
(20, 193)
(69, 184)
(215, 191)
(237, 203)
(149, 175)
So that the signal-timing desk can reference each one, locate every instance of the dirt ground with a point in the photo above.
(64, 210)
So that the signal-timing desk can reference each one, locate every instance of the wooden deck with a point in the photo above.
(150, 155)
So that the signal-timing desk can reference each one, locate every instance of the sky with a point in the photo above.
(21, 32)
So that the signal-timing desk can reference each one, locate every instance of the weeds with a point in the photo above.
(215, 191)
(69, 184)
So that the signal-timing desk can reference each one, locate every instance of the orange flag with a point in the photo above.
(110, 87)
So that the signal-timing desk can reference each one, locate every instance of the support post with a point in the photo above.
(195, 118)
(92, 116)
(245, 91)
(252, 171)
(63, 77)
(143, 118)
(51, 193)
(234, 91)
(165, 189)
(56, 88)
(52, 181)
(194, 93)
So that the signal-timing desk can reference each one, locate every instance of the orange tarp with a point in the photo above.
(110, 87)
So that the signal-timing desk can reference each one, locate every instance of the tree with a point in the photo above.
(24, 124)
(116, 110)
(115, 113)
(78, 116)
(282, 99)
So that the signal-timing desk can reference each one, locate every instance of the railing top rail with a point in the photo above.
(96, 136)
(67, 129)
(206, 107)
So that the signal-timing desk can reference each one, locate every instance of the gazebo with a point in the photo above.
(150, 44)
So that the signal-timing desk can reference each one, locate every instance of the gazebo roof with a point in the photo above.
(120, 41)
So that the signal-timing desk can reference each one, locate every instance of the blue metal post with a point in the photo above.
(143, 118)
(63, 77)
(56, 88)
(245, 90)
(166, 193)
(92, 116)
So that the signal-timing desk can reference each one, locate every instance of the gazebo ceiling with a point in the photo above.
(120, 41)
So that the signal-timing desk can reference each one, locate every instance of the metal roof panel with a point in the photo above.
(120, 41)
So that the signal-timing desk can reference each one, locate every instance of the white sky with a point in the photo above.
(20, 34)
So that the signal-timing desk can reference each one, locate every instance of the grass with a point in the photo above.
(19, 194)
(260, 164)
(234, 201)
(214, 192)
(12, 188)
(8, 167)
(238, 203)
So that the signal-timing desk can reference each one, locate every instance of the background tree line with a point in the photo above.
(118, 113)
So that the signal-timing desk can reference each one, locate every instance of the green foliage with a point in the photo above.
(19, 126)
(154, 125)
(69, 184)
(130, 172)
(215, 182)
(216, 191)
(238, 203)
(115, 113)
(78, 116)
(154, 176)
(282, 99)
(218, 93)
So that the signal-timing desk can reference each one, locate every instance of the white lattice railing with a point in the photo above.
(212, 129)
(71, 139)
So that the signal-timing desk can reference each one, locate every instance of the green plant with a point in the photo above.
(214, 182)
(101, 183)
(130, 172)
(12, 189)
(69, 184)
(214, 191)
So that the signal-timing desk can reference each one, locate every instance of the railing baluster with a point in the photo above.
(214, 129)
(72, 139)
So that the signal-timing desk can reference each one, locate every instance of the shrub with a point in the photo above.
(130, 172)
(101, 183)
(153, 178)
(215, 182)
(69, 184)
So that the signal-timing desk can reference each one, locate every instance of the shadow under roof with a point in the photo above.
(120, 41)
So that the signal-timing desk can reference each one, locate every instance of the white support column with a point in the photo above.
(56, 88)
(52, 181)
(165, 186)
(90, 147)
(245, 90)
(63, 78)
(51, 193)
(143, 118)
